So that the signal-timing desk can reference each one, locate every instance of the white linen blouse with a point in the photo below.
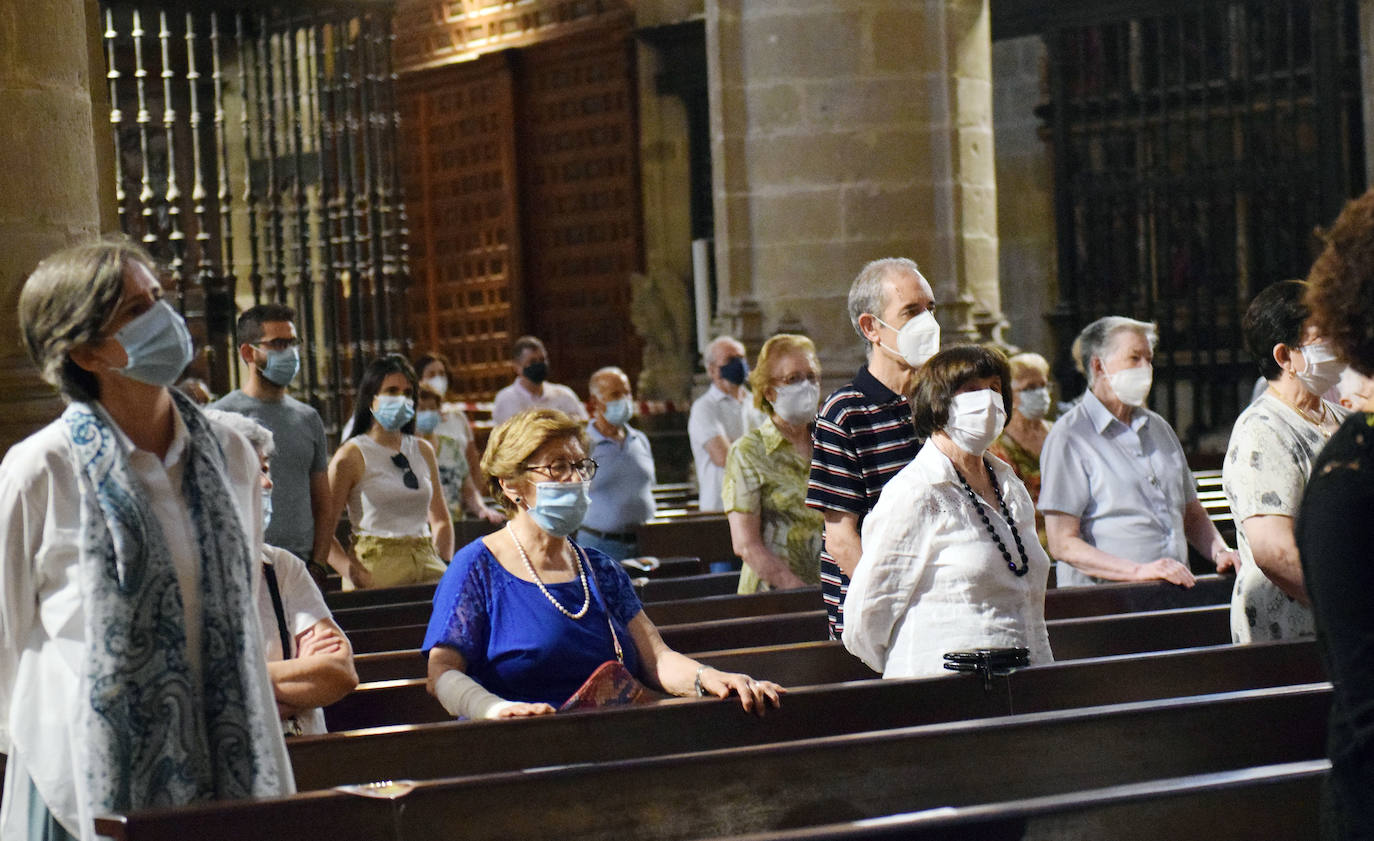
(931, 580)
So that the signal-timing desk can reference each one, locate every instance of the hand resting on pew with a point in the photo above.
(524, 616)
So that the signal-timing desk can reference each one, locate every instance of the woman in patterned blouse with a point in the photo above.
(764, 490)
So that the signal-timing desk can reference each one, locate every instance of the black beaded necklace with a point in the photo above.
(1016, 535)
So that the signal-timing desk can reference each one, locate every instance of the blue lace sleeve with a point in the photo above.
(616, 588)
(461, 619)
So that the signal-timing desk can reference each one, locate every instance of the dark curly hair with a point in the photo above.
(1340, 293)
(945, 373)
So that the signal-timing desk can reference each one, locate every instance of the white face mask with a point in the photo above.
(796, 403)
(1035, 402)
(1322, 369)
(439, 383)
(975, 420)
(917, 341)
(1132, 385)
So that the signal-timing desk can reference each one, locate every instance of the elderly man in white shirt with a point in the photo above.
(1118, 497)
(719, 417)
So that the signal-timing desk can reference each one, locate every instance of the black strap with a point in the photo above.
(271, 575)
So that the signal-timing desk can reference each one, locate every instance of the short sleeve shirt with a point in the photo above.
(713, 414)
(515, 398)
(301, 451)
(1128, 485)
(765, 475)
(622, 491)
(516, 643)
(1267, 465)
(863, 435)
(302, 607)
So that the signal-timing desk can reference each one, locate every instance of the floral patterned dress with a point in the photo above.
(1027, 467)
(1267, 465)
(765, 475)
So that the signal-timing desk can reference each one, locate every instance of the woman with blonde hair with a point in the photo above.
(524, 616)
(1024, 436)
(764, 489)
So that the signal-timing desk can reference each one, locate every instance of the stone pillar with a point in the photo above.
(1025, 194)
(48, 180)
(842, 132)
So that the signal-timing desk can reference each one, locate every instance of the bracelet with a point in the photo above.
(701, 690)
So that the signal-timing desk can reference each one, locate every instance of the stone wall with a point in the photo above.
(1025, 193)
(49, 196)
(841, 132)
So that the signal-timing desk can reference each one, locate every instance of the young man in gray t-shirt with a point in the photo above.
(300, 493)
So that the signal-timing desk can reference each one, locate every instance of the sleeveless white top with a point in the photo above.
(380, 504)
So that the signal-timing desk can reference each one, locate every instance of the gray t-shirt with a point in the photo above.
(301, 451)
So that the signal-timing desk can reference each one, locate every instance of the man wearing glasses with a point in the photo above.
(300, 493)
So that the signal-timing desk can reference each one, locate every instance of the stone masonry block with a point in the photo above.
(802, 269)
(47, 182)
(821, 45)
(974, 102)
(977, 164)
(901, 38)
(796, 216)
(44, 45)
(774, 107)
(853, 103)
(881, 212)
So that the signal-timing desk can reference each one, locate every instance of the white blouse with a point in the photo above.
(931, 579)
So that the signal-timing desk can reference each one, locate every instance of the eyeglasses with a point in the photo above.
(562, 470)
(278, 344)
(407, 475)
(793, 379)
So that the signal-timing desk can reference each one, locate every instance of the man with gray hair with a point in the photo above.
(864, 433)
(719, 417)
(622, 491)
(1120, 503)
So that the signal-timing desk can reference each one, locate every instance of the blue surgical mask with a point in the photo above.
(735, 371)
(158, 345)
(426, 421)
(266, 508)
(560, 506)
(282, 366)
(619, 412)
(393, 411)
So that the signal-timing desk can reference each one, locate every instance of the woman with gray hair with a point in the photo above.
(1119, 500)
(130, 521)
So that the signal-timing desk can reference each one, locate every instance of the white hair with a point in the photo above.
(1099, 338)
(719, 341)
(258, 435)
(608, 371)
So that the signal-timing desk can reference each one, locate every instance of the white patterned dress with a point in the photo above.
(1267, 465)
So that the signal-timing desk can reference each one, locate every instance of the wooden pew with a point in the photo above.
(452, 749)
(391, 653)
(1070, 602)
(714, 793)
(692, 636)
(706, 535)
(1271, 801)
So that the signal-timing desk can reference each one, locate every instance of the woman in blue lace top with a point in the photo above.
(523, 616)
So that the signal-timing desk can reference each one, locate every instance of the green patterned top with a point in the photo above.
(765, 475)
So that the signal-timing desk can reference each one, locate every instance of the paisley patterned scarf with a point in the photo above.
(151, 737)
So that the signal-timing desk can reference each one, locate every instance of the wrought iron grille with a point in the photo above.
(1196, 148)
(255, 156)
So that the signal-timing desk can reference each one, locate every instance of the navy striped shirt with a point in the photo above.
(863, 436)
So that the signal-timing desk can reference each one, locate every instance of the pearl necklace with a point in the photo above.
(1020, 549)
(581, 574)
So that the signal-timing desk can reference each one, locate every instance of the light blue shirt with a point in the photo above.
(1127, 485)
(622, 491)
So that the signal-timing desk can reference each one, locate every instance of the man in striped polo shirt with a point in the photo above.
(864, 433)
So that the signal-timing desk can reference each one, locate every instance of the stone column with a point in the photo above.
(844, 131)
(48, 181)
